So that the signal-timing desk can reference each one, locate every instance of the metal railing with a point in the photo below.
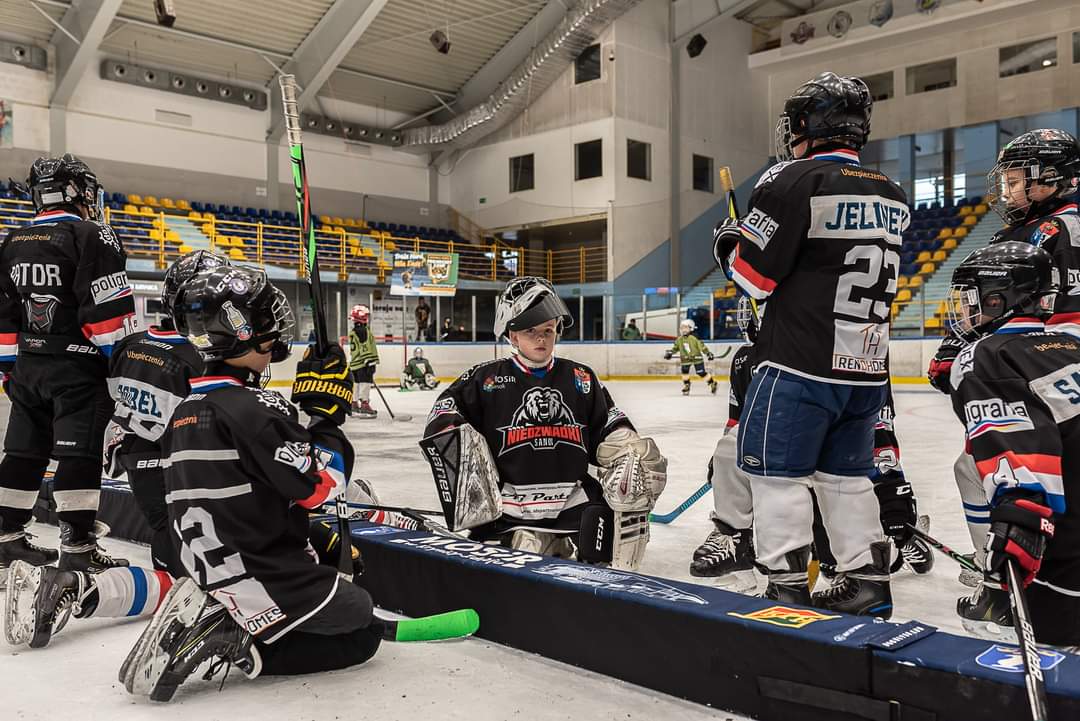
(149, 236)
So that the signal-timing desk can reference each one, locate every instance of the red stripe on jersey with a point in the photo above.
(760, 282)
(321, 492)
(1055, 319)
(1034, 462)
(732, 422)
(9, 338)
(105, 327)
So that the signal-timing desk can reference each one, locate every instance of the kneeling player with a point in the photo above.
(241, 475)
(1016, 390)
(522, 432)
(418, 373)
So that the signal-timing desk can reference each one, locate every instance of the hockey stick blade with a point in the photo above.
(666, 518)
(440, 627)
(1025, 635)
(403, 417)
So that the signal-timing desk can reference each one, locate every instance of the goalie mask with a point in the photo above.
(1000, 282)
(228, 311)
(64, 182)
(744, 316)
(526, 302)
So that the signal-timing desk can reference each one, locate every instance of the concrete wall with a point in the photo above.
(908, 358)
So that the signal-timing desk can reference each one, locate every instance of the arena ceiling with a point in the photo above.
(391, 64)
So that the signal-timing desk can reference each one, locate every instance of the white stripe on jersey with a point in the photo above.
(207, 494)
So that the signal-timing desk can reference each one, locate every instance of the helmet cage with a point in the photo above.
(744, 317)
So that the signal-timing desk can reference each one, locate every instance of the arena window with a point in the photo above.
(881, 86)
(703, 173)
(588, 159)
(522, 173)
(587, 65)
(931, 76)
(1029, 57)
(638, 160)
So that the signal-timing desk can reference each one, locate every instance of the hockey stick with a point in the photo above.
(962, 560)
(404, 417)
(694, 498)
(727, 185)
(1025, 635)
(452, 624)
(392, 509)
(311, 260)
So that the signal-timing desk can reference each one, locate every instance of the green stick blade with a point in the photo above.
(453, 624)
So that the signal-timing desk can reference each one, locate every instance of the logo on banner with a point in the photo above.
(607, 579)
(784, 616)
(438, 267)
(542, 422)
(1010, 660)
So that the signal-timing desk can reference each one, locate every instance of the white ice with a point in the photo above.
(75, 677)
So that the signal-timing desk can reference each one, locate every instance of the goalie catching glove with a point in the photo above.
(323, 386)
(633, 473)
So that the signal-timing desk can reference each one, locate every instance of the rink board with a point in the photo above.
(703, 644)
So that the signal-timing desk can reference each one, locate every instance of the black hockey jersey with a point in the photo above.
(1017, 391)
(149, 375)
(821, 241)
(1059, 235)
(63, 288)
(543, 430)
(241, 473)
(738, 382)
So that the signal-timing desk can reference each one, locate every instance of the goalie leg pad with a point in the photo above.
(633, 471)
(466, 477)
(430, 382)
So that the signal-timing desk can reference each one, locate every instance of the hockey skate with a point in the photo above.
(787, 592)
(16, 546)
(41, 600)
(917, 554)
(686, 388)
(82, 552)
(729, 554)
(863, 591)
(790, 586)
(364, 410)
(189, 629)
(986, 612)
(713, 386)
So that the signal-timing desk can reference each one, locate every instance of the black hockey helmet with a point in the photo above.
(1000, 282)
(527, 302)
(830, 108)
(1048, 157)
(63, 181)
(228, 311)
(181, 271)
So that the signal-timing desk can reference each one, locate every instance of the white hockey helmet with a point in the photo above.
(687, 326)
(418, 352)
(527, 302)
(359, 314)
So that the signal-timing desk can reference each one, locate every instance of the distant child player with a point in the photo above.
(692, 352)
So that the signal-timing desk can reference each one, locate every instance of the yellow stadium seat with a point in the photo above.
(939, 255)
(944, 233)
(367, 252)
(718, 293)
(903, 296)
(960, 232)
(135, 199)
(336, 220)
(156, 234)
(965, 210)
(941, 309)
(183, 204)
(730, 291)
(970, 220)
(325, 229)
(194, 215)
(237, 254)
(325, 219)
(151, 201)
(933, 322)
(131, 209)
(901, 282)
(915, 281)
(349, 223)
(390, 245)
(146, 210)
(926, 269)
(981, 209)
(949, 244)
(172, 236)
(923, 256)
(184, 249)
(207, 228)
(168, 203)
(158, 222)
(361, 223)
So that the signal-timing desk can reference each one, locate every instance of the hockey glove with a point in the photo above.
(323, 386)
(668, 354)
(709, 355)
(941, 366)
(897, 508)
(726, 236)
(1020, 528)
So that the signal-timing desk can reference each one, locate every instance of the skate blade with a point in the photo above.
(147, 661)
(970, 578)
(744, 582)
(988, 630)
(21, 584)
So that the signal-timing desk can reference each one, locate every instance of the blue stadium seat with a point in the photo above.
(393, 227)
(250, 212)
(921, 206)
(275, 214)
(264, 213)
(975, 200)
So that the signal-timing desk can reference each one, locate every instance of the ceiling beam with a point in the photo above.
(320, 53)
(87, 20)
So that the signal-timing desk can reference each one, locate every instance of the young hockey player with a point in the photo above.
(65, 300)
(241, 475)
(418, 373)
(363, 357)
(1032, 187)
(528, 427)
(692, 352)
(1016, 389)
(820, 242)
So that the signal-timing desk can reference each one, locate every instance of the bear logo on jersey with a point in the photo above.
(542, 421)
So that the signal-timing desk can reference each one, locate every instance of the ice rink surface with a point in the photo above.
(75, 677)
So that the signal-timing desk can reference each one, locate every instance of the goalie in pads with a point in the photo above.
(510, 444)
